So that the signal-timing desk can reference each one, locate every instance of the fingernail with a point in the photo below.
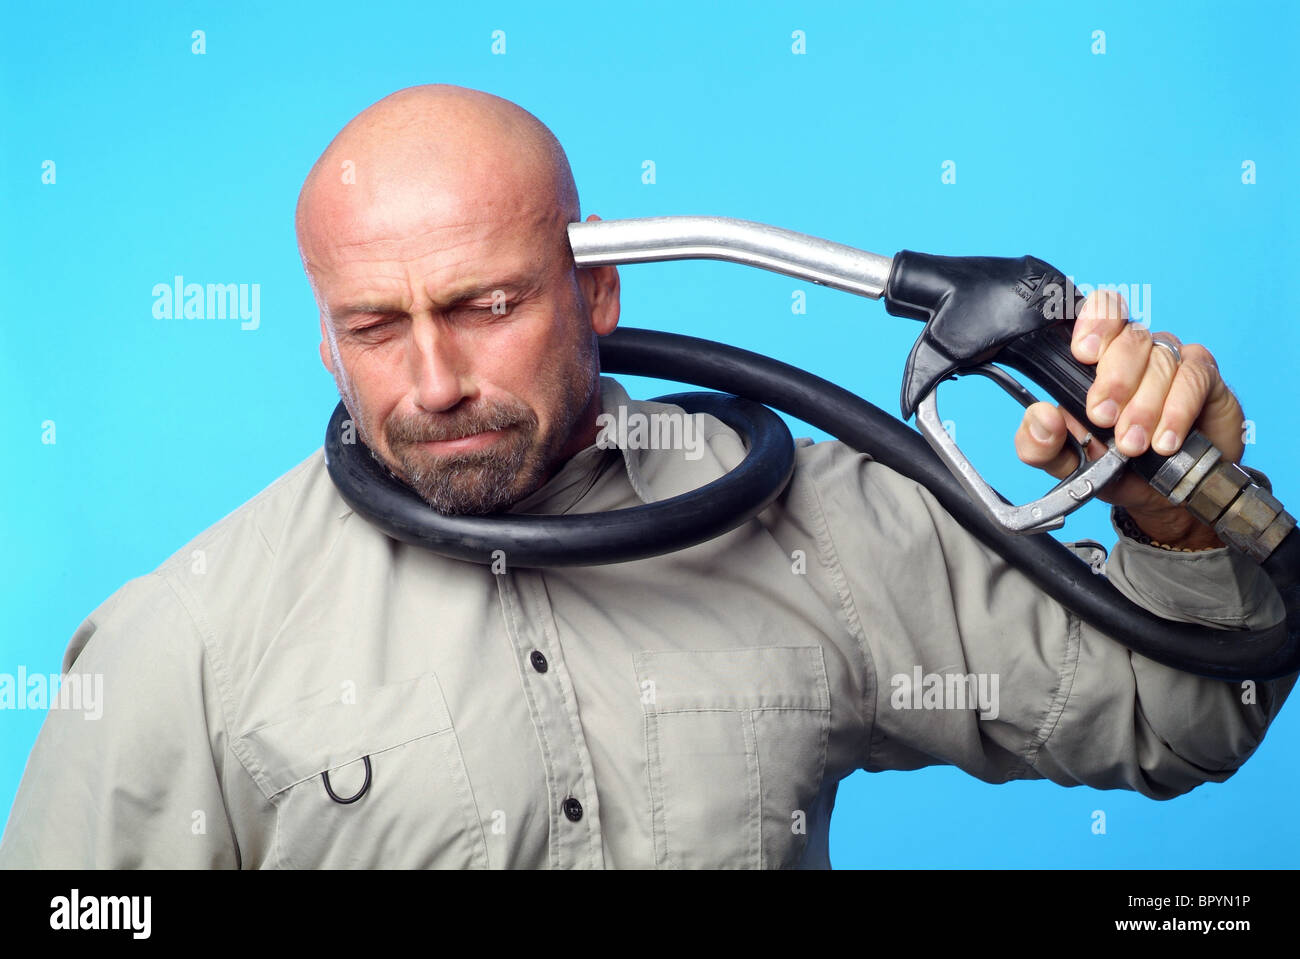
(1039, 431)
(1090, 346)
(1134, 440)
(1167, 443)
(1105, 413)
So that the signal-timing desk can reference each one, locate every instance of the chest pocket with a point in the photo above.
(735, 752)
(418, 810)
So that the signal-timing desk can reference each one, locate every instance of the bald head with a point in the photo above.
(429, 155)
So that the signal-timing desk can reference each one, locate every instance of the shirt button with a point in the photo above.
(573, 809)
(539, 661)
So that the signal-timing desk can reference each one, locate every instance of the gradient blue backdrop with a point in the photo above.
(1120, 168)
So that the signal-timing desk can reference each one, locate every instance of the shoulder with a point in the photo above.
(214, 585)
(838, 473)
(271, 544)
(259, 528)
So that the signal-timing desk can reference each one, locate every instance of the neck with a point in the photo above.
(584, 433)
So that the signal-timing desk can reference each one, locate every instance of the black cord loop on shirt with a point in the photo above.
(365, 787)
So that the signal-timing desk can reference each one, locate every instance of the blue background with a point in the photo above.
(1119, 168)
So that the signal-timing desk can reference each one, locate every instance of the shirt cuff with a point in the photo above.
(1213, 587)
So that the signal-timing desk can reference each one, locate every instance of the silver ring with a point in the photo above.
(1155, 341)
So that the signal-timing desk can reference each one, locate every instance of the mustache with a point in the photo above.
(454, 427)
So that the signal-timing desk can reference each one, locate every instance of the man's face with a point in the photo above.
(463, 349)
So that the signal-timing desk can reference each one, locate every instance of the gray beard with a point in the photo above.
(472, 484)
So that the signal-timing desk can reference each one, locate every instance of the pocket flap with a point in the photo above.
(295, 749)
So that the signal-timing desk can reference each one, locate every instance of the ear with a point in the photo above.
(600, 287)
(325, 356)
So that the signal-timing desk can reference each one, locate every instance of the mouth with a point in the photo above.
(464, 444)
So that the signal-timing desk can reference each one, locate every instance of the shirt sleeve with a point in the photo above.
(133, 781)
(973, 665)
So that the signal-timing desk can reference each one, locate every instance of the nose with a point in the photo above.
(438, 369)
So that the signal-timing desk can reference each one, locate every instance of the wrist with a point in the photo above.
(1174, 530)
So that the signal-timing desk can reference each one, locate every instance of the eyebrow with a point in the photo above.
(511, 287)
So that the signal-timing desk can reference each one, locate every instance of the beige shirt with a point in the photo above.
(693, 709)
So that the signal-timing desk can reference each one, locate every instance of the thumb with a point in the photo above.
(1040, 440)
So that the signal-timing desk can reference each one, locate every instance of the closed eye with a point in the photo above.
(374, 329)
(486, 309)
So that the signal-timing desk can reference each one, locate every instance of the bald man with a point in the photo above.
(320, 695)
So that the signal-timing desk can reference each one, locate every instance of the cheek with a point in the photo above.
(553, 345)
(372, 384)
(520, 360)
(554, 363)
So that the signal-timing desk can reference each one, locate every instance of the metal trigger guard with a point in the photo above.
(1043, 514)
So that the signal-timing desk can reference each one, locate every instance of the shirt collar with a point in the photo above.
(580, 472)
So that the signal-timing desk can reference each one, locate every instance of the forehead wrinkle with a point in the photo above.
(398, 292)
(532, 233)
(532, 239)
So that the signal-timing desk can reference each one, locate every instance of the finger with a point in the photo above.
(1040, 440)
(1127, 487)
(1102, 318)
(1192, 386)
(1140, 415)
(1094, 447)
(1119, 373)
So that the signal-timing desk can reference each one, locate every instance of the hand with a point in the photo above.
(1143, 392)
